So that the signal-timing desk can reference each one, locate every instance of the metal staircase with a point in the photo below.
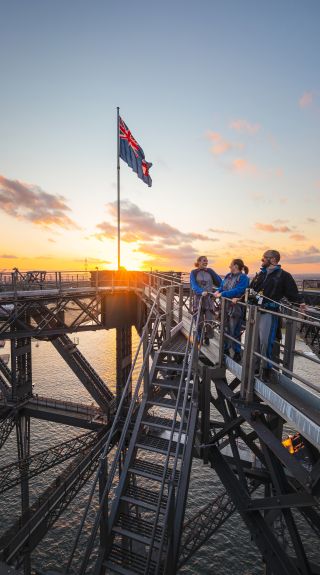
(147, 511)
(141, 512)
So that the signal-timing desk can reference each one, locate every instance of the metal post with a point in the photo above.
(248, 361)
(289, 343)
(180, 302)
(23, 444)
(118, 184)
(169, 310)
(146, 379)
(221, 339)
(205, 411)
(124, 359)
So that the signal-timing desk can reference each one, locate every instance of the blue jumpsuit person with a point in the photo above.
(203, 280)
(233, 287)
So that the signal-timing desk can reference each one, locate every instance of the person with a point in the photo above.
(233, 287)
(271, 285)
(202, 281)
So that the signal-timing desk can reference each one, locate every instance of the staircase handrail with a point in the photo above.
(193, 328)
(122, 437)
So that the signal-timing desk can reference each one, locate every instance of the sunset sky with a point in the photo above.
(223, 97)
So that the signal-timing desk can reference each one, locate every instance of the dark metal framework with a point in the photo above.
(243, 441)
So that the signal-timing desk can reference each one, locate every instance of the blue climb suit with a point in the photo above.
(233, 285)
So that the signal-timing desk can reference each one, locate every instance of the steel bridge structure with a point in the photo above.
(135, 446)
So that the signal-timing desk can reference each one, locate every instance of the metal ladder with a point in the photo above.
(146, 516)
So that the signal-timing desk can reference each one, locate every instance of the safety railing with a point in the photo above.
(284, 348)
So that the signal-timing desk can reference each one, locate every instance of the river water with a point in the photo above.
(228, 550)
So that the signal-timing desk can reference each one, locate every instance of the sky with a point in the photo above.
(222, 95)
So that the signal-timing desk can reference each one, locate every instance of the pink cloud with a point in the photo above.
(271, 228)
(242, 166)
(306, 100)
(243, 126)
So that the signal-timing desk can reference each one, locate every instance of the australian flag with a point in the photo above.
(133, 154)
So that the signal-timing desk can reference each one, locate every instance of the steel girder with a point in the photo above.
(10, 475)
(7, 423)
(289, 484)
(24, 535)
(69, 312)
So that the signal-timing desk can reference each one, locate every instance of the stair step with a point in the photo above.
(161, 423)
(167, 402)
(138, 529)
(158, 444)
(169, 367)
(152, 470)
(144, 498)
(168, 383)
(124, 561)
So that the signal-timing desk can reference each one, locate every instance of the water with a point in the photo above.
(230, 546)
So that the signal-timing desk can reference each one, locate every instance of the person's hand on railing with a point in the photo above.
(217, 294)
(204, 293)
(235, 300)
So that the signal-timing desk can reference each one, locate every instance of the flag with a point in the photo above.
(133, 154)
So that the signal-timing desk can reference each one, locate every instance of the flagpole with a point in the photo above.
(118, 184)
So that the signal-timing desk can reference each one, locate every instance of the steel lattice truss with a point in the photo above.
(10, 475)
(28, 530)
(288, 483)
(50, 315)
(7, 423)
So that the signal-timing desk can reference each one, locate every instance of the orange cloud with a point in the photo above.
(242, 166)
(243, 126)
(271, 228)
(298, 237)
(220, 145)
(306, 100)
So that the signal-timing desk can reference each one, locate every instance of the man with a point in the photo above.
(272, 284)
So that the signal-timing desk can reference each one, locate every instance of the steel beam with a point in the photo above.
(50, 505)
(31, 466)
(273, 554)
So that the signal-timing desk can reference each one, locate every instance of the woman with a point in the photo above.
(233, 287)
(202, 281)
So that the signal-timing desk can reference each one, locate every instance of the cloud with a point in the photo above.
(242, 166)
(257, 197)
(298, 237)
(271, 228)
(220, 231)
(308, 256)
(29, 202)
(244, 127)
(312, 220)
(138, 225)
(108, 231)
(278, 221)
(155, 239)
(9, 257)
(306, 100)
(220, 146)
